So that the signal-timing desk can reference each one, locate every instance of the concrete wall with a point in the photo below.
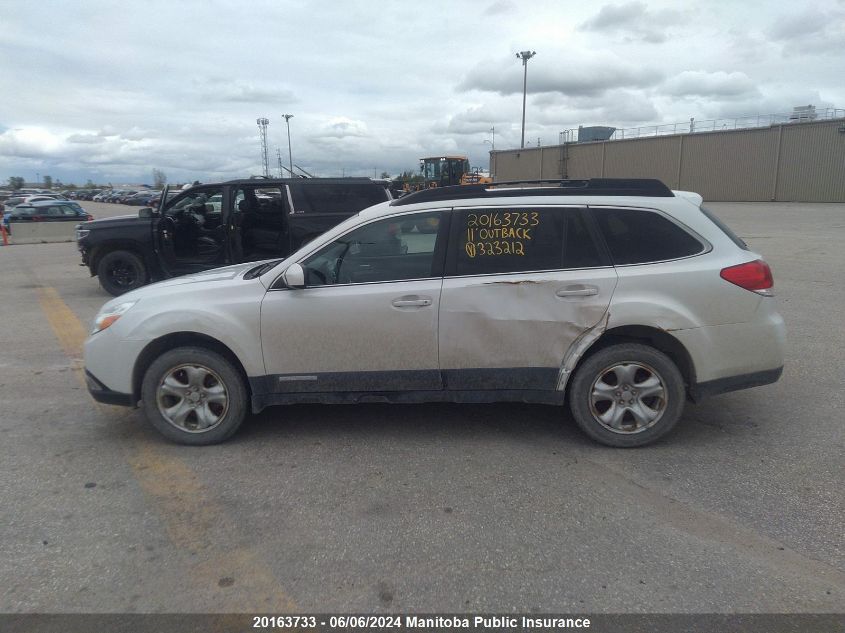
(40, 232)
(791, 162)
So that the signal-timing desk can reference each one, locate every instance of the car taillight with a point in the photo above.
(755, 276)
(89, 217)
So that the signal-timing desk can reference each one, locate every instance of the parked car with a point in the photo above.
(114, 195)
(100, 197)
(620, 297)
(46, 211)
(211, 225)
(120, 199)
(11, 203)
(142, 198)
(40, 197)
(86, 194)
(154, 201)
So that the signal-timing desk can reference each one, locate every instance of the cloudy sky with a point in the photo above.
(112, 90)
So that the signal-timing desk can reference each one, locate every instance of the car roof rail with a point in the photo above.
(641, 187)
(269, 181)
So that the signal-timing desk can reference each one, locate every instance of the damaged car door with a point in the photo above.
(521, 285)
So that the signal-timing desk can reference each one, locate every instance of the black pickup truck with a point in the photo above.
(213, 225)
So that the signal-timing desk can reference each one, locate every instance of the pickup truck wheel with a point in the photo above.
(194, 396)
(121, 271)
(627, 395)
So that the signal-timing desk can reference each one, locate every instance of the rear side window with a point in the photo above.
(335, 198)
(500, 240)
(724, 228)
(636, 236)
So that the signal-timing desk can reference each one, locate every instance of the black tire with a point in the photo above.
(218, 371)
(121, 271)
(597, 404)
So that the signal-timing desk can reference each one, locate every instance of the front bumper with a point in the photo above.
(103, 394)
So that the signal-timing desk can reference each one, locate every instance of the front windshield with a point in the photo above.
(431, 168)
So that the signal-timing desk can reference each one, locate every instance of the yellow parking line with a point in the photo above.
(66, 326)
(233, 577)
(234, 574)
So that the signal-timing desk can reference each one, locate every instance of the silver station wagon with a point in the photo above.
(620, 297)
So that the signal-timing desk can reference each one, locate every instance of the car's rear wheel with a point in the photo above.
(121, 271)
(627, 395)
(194, 396)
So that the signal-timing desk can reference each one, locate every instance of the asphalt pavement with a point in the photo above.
(425, 508)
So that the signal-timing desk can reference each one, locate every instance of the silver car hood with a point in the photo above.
(210, 278)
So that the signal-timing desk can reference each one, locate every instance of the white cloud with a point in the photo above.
(110, 91)
(719, 84)
(572, 73)
(635, 21)
(810, 31)
(341, 128)
(500, 7)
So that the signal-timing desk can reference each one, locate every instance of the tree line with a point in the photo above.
(47, 182)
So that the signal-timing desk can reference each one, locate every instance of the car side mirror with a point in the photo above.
(146, 212)
(294, 276)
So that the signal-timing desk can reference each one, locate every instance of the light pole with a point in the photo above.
(263, 122)
(288, 117)
(524, 56)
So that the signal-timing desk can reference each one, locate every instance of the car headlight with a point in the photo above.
(107, 316)
(81, 233)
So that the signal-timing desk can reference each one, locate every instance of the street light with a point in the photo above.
(524, 56)
(288, 117)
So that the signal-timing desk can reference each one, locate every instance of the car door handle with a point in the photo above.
(577, 291)
(411, 301)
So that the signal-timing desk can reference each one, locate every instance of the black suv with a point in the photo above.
(213, 225)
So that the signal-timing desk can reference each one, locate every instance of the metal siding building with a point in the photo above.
(789, 162)
(657, 159)
(812, 163)
(738, 166)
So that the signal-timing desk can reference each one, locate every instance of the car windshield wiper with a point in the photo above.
(260, 269)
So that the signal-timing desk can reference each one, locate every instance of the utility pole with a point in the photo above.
(524, 56)
(262, 132)
(279, 158)
(288, 117)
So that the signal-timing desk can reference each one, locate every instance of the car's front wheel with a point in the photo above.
(121, 271)
(627, 395)
(194, 396)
